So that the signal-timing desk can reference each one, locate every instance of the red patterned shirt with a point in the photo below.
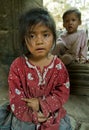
(51, 87)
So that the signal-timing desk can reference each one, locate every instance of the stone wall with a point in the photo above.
(9, 43)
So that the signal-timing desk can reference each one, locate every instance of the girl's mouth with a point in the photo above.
(40, 49)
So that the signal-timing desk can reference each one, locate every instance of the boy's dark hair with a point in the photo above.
(72, 10)
(31, 18)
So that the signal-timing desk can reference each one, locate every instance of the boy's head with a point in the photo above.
(72, 10)
(71, 19)
(33, 17)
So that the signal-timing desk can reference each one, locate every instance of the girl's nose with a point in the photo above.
(39, 40)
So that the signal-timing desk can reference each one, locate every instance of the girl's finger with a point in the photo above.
(26, 99)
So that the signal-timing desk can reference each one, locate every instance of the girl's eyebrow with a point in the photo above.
(44, 31)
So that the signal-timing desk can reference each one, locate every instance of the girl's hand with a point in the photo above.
(41, 117)
(33, 103)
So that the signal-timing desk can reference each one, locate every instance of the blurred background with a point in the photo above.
(57, 8)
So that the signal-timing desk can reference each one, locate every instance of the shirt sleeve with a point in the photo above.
(16, 93)
(59, 94)
(84, 46)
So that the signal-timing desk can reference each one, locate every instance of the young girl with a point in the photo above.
(72, 44)
(38, 81)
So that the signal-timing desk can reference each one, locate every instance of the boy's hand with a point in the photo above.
(33, 103)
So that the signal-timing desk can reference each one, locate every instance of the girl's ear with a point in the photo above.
(26, 40)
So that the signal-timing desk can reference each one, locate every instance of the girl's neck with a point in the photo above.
(41, 62)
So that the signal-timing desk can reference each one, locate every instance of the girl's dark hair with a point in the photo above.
(31, 18)
(72, 10)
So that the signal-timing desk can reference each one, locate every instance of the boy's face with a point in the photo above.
(71, 22)
(39, 40)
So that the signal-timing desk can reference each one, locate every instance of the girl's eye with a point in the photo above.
(31, 36)
(46, 35)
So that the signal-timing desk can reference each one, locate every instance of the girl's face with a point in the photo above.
(71, 22)
(39, 41)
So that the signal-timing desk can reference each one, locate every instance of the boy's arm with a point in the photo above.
(84, 48)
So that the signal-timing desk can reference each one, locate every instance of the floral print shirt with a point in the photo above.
(51, 87)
